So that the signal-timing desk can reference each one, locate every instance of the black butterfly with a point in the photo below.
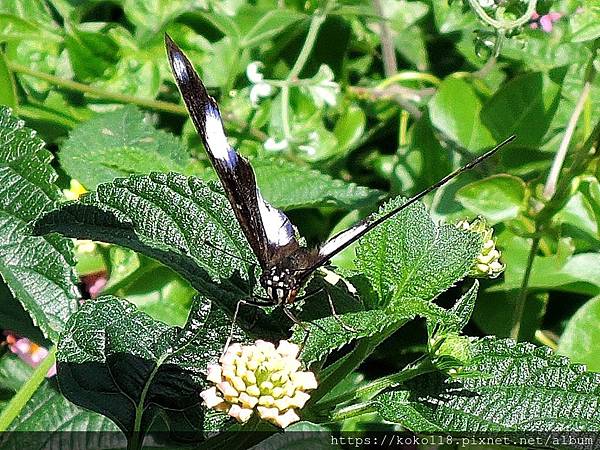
(286, 265)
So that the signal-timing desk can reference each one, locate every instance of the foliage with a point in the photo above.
(338, 112)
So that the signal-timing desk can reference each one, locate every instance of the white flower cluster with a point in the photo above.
(259, 87)
(487, 264)
(259, 378)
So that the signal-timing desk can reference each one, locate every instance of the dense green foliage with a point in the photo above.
(341, 107)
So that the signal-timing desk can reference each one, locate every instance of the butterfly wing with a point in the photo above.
(267, 229)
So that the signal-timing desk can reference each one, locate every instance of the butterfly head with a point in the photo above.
(281, 284)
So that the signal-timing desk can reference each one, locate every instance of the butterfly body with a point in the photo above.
(283, 280)
(286, 265)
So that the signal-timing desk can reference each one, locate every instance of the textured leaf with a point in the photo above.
(122, 363)
(166, 216)
(409, 257)
(581, 339)
(118, 144)
(38, 270)
(49, 420)
(289, 186)
(390, 267)
(511, 387)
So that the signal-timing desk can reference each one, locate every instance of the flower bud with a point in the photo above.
(487, 263)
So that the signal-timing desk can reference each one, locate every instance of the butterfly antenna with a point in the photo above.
(441, 182)
(370, 223)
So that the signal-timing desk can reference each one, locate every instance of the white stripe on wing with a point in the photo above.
(216, 139)
(278, 228)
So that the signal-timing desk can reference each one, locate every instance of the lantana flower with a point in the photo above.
(75, 190)
(261, 379)
(545, 22)
(28, 351)
(487, 264)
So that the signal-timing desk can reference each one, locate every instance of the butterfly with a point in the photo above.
(286, 265)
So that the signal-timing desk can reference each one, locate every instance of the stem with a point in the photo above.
(520, 306)
(504, 24)
(97, 92)
(157, 105)
(418, 368)
(137, 438)
(410, 76)
(317, 20)
(18, 402)
(364, 348)
(559, 158)
(352, 411)
(390, 66)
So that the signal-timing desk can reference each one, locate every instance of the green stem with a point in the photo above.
(317, 20)
(561, 154)
(418, 368)
(97, 92)
(503, 24)
(157, 105)
(18, 402)
(364, 348)
(520, 306)
(137, 438)
(410, 76)
(352, 411)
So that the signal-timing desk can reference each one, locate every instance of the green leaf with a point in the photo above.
(407, 264)
(581, 337)
(184, 223)
(38, 270)
(270, 23)
(562, 271)
(349, 128)
(524, 106)
(165, 216)
(327, 334)
(8, 93)
(48, 417)
(409, 257)
(510, 387)
(463, 310)
(118, 144)
(91, 53)
(497, 198)
(13, 28)
(290, 186)
(585, 24)
(455, 111)
(122, 363)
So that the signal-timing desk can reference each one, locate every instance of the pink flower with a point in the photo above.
(94, 283)
(29, 352)
(545, 22)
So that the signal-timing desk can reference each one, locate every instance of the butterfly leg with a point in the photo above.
(231, 330)
(298, 322)
(336, 315)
